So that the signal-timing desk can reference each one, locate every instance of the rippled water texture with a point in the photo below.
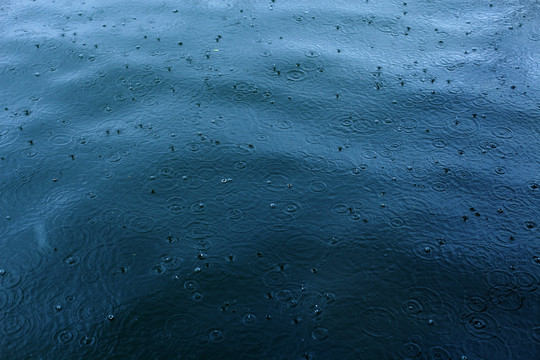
(269, 179)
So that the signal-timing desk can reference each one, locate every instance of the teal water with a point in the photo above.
(269, 180)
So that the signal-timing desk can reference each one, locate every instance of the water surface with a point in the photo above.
(269, 180)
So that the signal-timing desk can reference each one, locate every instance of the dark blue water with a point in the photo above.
(270, 180)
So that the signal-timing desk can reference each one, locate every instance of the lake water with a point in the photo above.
(270, 179)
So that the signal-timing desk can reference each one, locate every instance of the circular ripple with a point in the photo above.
(244, 149)
(10, 279)
(467, 257)
(461, 126)
(249, 319)
(199, 230)
(412, 307)
(176, 205)
(296, 75)
(205, 152)
(462, 174)
(396, 222)
(216, 335)
(503, 236)
(171, 263)
(291, 206)
(515, 205)
(318, 186)
(183, 326)
(502, 132)
(65, 337)
(191, 285)
(506, 298)
(440, 143)
(240, 165)
(311, 65)
(93, 310)
(341, 208)
(439, 353)
(395, 145)
(199, 207)
(378, 322)
(358, 170)
(111, 216)
(276, 182)
(500, 278)
(17, 325)
(165, 181)
(157, 270)
(503, 192)
(61, 139)
(275, 278)
(10, 299)
(476, 304)
(526, 281)
(409, 350)
(439, 186)
(428, 251)
(284, 124)
(90, 276)
(312, 53)
(140, 221)
(29, 152)
(481, 325)
(425, 303)
(407, 125)
(319, 334)
(243, 223)
(366, 126)
(279, 221)
(202, 244)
